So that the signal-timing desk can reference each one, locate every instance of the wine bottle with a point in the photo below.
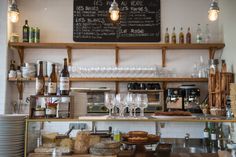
(65, 80)
(213, 136)
(181, 36)
(167, 36)
(188, 37)
(173, 37)
(26, 32)
(40, 80)
(52, 82)
(206, 134)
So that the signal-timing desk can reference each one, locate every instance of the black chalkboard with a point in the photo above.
(139, 21)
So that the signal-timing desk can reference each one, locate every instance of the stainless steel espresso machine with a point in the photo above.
(186, 97)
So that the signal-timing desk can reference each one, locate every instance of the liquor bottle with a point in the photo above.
(206, 134)
(181, 36)
(52, 82)
(40, 81)
(167, 36)
(26, 32)
(207, 34)
(213, 136)
(188, 37)
(65, 80)
(173, 36)
(199, 34)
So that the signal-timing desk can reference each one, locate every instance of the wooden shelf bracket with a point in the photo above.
(117, 59)
(21, 54)
(212, 53)
(163, 56)
(69, 55)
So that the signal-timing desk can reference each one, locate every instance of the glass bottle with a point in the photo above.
(188, 37)
(181, 36)
(213, 136)
(173, 36)
(65, 80)
(40, 80)
(167, 36)
(26, 32)
(12, 65)
(220, 141)
(206, 135)
(52, 82)
(199, 34)
(207, 35)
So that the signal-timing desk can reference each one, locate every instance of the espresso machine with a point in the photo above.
(186, 97)
(191, 98)
(174, 100)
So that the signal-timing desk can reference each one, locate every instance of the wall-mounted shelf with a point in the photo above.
(180, 79)
(199, 118)
(211, 47)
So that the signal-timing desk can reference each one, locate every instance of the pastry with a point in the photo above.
(137, 134)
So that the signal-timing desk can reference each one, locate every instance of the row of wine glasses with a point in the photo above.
(126, 100)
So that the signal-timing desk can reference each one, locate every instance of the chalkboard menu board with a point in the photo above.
(139, 21)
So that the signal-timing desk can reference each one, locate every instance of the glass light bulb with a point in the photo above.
(213, 15)
(14, 16)
(114, 15)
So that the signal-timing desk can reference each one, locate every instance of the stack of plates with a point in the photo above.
(12, 129)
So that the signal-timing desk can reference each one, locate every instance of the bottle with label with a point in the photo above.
(188, 37)
(213, 136)
(207, 34)
(167, 36)
(181, 36)
(173, 36)
(52, 82)
(65, 80)
(206, 135)
(26, 32)
(40, 81)
(199, 34)
(51, 110)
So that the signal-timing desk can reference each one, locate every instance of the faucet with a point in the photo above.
(186, 140)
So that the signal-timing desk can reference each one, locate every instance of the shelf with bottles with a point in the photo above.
(51, 106)
(212, 47)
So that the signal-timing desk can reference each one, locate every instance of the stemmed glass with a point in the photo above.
(121, 103)
(110, 102)
(142, 102)
(131, 104)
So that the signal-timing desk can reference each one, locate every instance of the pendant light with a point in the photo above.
(13, 12)
(114, 11)
(213, 11)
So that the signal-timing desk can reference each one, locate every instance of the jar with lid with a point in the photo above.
(213, 66)
(51, 110)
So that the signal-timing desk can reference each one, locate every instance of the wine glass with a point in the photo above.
(131, 104)
(110, 102)
(121, 103)
(142, 102)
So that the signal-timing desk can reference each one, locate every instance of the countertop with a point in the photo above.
(220, 154)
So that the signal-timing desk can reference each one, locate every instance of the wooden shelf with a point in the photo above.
(117, 45)
(148, 119)
(211, 47)
(180, 79)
